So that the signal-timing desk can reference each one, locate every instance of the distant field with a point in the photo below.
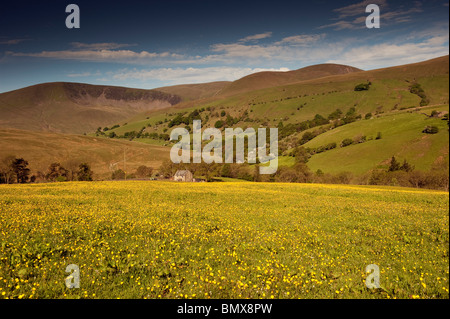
(222, 240)
(41, 149)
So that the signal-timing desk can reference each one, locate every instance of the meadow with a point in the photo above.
(138, 239)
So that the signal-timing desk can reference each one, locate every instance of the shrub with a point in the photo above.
(143, 171)
(306, 137)
(56, 173)
(362, 87)
(417, 89)
(346, 142)
(84, 172)
(431, 130)
(118, 174)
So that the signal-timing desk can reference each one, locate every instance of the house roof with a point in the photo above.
(182, 173)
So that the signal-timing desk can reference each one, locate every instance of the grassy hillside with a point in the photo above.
(394, 108)
(74, 107)
(402, 137)
(263, 80)
(389, 91)
(389, 100)
(41, 149)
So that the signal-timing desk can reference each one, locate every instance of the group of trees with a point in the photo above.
(299, 173)
(180, 119)
(405, 175)
(336, 118)
(141, 172)
(16, 170)
(416, 88)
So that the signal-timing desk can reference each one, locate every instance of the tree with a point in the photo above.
(335, 115)
(346, 142)
(56, 173)
(118, 174)
(394, 165)
(299, 173)
(168, 168)
(19, 166)
(417, 179)
(144, 171)
(302, 155)
(72, 166)
(226, 170)
(306, 137)
(406, 167)
(208, 170)
(6, 170)
(84, 172)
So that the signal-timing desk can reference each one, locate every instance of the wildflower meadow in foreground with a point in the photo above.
(139, 239)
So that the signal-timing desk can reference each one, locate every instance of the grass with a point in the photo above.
(401, 137)
(388, 99)
(222, 240)
(41, 149)
(302, 101)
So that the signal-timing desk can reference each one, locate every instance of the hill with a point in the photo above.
(263, 80)
(394, 108)
(394, 103)
(402, 137)
(189, 92)
(74, 107)
(293, 103)
(41, 149)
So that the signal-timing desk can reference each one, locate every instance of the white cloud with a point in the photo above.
(83, 74)
(256, 37)
(342, 25)
(124, 56)
(357, 8)
(302, 39)
(224, 61)
(383, 55)
(253, 55)
(354, 16)
(190, 75)
(99, 46)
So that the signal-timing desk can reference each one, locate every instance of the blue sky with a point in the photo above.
(148, 44)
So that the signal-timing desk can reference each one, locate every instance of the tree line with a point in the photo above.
(396, 174)
(15, 170)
